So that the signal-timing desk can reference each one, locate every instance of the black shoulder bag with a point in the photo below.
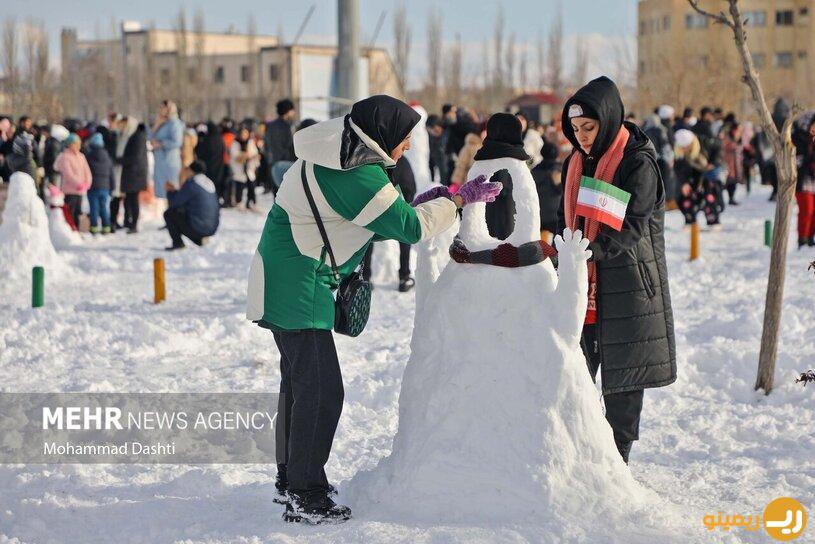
(353, 303)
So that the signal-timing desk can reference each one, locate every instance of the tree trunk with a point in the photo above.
(775, 280)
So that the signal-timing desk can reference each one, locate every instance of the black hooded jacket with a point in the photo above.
(135, 168)
(210, 149)
(635, 328)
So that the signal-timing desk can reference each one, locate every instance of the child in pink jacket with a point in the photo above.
(76, 175)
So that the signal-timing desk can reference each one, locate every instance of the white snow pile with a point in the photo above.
(61, 234)
(419, 153)
(499, 421)
(25, 240)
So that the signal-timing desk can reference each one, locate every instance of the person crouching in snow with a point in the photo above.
(628, 332)
(344, 170)
(193, 210)
(102, 182)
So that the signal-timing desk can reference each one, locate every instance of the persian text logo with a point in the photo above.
(785, 519)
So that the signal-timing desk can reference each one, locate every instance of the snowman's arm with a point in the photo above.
(572, 285)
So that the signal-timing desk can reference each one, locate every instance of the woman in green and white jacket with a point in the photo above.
(291, 284)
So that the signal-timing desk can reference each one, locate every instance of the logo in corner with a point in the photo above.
(785, 519)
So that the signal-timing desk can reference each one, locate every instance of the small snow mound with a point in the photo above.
(25, 240)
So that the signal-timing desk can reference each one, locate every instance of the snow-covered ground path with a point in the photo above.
(708, 442)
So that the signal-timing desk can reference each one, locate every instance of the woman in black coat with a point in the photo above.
(134, 175)
(210, 150)
(632, 338)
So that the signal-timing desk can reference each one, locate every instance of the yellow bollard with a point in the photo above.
(694, 241)
(158, 281)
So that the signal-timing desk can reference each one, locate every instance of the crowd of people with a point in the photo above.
(108, 170)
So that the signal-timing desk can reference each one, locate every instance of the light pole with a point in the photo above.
(347, 54)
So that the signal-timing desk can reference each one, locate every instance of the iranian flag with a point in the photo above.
(602, 201)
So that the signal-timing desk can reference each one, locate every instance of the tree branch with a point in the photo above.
(721, 18)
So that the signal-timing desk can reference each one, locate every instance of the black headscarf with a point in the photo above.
(601, 99)
(385, 120)
(504, 139)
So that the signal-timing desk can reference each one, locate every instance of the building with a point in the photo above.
(209, 75)
(540, 107)
(687, 60)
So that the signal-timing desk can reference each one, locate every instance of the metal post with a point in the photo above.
(347, 54)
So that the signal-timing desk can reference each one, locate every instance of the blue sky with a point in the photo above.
(473, 19)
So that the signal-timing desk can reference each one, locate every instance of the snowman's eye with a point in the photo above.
(500, 215)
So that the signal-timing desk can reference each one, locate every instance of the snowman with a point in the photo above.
(419, 153)
(24, 233)
(499, 420)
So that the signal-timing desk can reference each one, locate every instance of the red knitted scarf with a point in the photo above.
(606, 168)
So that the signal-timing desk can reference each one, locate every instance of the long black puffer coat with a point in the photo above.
(634, 315)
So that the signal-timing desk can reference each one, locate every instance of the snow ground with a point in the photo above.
(708, 443)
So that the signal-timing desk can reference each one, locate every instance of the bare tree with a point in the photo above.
(556, 53)
(178, 83)
(201, 101)
(401, 44)
(453, 70)
(511, 57)
(581, 64)
(541, 58)
(11, 68)
(523, 76)
(434, 50)
(498, 45)
(787, 177)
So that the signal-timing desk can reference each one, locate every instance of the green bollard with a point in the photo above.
(768, 233)
(37, 287)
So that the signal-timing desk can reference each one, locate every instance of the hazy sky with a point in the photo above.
(473, 19)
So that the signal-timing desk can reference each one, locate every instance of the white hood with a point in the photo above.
(320, 144)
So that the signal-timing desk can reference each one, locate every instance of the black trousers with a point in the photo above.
(131, 210)
(404, 262)
(176, 221)
(311, 396)
(74, 203)
(622, 409)
(115, 202)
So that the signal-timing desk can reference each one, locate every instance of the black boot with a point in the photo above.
(282, 486)
(802, 242)
(406, 284)
(314, 507)
(624, 447)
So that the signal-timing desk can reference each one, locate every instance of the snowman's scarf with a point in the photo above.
(606, 168)
(505, 255)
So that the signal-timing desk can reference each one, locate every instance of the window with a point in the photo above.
(703, 61)
(642, 28)
(165, 76)
(245, 75)
(802, 55)
(274, 72)
(783, 60)
(803, 12)
(218, 76)
(666, 22)
(758, 60)
(755, 17)
(642, 66)
(783, 17)
(695, 20)
(192, 75)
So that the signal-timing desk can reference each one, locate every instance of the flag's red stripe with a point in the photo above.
(604, 217)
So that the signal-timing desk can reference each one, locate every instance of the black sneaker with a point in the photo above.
(406, 284)
(314, 507)
(174, 247)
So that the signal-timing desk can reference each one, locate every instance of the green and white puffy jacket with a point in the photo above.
(290, 281)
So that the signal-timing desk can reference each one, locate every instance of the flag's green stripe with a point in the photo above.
(609, 189)
(587, 194)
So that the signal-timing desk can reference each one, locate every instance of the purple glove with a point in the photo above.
(431, 194)
(479, 190)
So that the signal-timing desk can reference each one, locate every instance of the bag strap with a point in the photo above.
(319, 220)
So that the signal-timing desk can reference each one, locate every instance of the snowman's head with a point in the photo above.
(514, 217)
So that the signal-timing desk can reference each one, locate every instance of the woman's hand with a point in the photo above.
(478, 190)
